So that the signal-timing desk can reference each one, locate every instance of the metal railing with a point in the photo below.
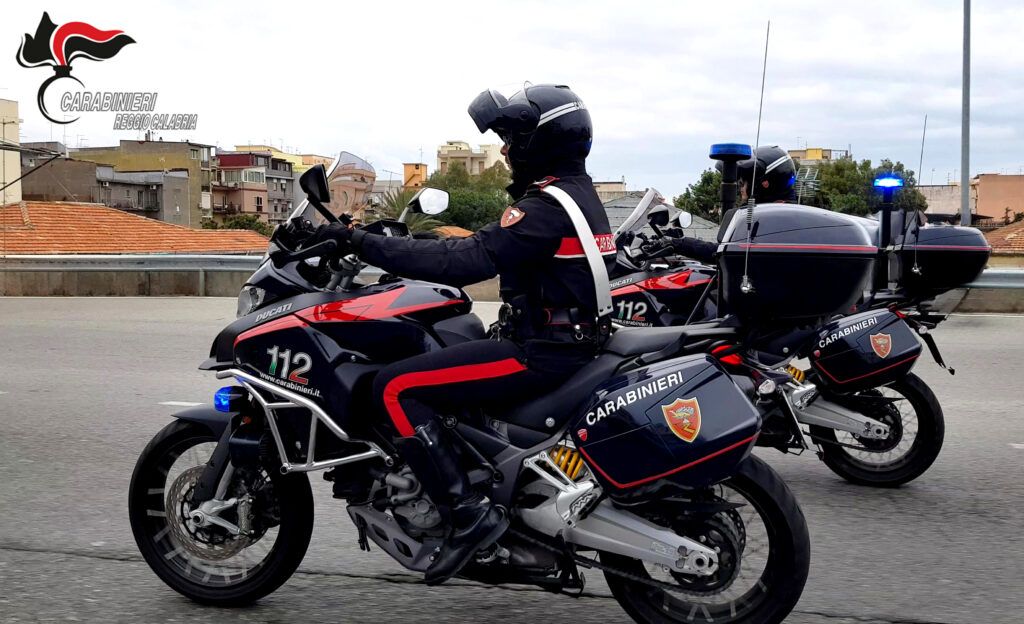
(990, 278)
(130, 262)
(999, 278)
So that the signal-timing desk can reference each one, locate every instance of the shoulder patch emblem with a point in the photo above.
(513, 215)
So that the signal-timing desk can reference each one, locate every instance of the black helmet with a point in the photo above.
(776, 174)
(542, 125)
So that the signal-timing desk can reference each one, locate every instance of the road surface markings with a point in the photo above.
(179, 403)
(2, 392)
(1019, 447)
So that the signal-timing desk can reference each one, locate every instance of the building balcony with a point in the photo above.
(131, 206)
(227, 208)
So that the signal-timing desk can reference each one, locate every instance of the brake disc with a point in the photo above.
(207, 544)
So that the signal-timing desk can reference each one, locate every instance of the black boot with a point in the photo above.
(475, 522)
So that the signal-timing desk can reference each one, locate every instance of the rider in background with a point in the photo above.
(775, 182)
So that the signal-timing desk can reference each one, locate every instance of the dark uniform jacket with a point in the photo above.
(533, 249)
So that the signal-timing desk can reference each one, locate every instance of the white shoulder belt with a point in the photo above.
(589, 243)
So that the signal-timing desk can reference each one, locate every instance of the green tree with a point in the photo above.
(473, 201)
(241, 222)
(703, 198)
(848, 186)
(394, 204)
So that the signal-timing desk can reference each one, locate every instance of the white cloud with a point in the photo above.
(663, 80)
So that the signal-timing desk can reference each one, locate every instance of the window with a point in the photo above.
(193, 153)
(255, 176)
(284, 187)
(127, 194)
(259, 204)
(141, 196)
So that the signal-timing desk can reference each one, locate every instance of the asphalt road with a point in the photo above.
(82, 382)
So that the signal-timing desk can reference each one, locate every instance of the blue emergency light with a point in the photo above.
(228, 398)
(888, 181)
(730, 149)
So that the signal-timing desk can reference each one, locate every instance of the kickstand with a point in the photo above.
(364, 544)
(572, 580)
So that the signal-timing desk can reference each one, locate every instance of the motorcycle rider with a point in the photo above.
(775, 175)
(549, 323)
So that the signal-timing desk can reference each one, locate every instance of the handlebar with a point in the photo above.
(283, 256)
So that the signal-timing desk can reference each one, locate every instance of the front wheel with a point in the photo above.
(763, 548)
(210, 564)
(916, 432)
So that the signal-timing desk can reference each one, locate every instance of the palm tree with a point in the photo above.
(395, 201)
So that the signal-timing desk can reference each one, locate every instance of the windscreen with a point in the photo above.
(305, 210)
(638, 218)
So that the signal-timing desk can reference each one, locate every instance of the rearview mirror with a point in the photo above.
(429, 201)
(314, 184)
(658, 216)
(684, 219)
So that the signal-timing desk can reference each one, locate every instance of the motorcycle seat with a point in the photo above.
(638, 340)
(563, 403)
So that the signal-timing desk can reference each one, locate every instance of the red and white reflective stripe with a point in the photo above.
(439, 377)
(572, 247)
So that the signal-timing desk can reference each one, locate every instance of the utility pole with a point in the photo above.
(965, 127)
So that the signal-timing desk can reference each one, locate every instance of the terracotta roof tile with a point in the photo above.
(1008, 239)
(73, 228)
(452, 231)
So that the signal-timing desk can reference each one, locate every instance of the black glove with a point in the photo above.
(695, 248)
(338, 232)
(292, 234)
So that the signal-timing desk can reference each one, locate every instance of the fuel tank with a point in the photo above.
(802, 263)
(659, 297)
(327, 345)
(864, 351)
(683, 420)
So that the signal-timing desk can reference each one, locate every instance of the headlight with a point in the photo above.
(249, 299)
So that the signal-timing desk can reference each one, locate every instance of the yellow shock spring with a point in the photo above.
(798, 375)
(568, 460)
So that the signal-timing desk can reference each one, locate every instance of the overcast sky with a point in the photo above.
(662, 80)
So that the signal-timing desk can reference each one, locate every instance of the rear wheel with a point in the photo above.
(916, 427)
(209, 564)
(764, 555)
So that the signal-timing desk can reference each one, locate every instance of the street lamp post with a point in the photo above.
(965, 124)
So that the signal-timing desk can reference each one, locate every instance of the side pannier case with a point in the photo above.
(804, 263)
(682, 419)
(864, 351)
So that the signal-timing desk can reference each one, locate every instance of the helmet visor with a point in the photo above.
(486, 111)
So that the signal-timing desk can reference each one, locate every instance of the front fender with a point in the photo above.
(207, 416)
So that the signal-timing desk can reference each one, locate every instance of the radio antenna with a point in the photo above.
(746, 286)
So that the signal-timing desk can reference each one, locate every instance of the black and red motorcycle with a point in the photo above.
(855, 400)
(638, 466)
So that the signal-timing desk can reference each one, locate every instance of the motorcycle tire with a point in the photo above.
(161, 547)
(931, 430)
(776, 592)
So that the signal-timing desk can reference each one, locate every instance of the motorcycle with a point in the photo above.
(856, 402)
(639, 466)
